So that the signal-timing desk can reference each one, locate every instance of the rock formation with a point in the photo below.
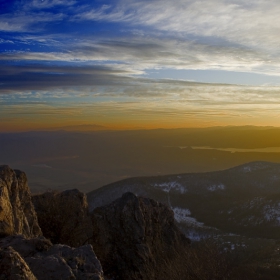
(24, 252)
(64, 217)
(136, 238)
(133, 237)
(17, 214)
(40, 259)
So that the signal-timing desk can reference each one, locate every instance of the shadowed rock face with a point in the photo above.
(13, 266)
(64, 217)
(17, 214)
(136, 238)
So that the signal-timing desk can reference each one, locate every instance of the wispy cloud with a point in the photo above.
(137, 54)
(27, 22)
(39, 4)
(252, 23)
(213, 34)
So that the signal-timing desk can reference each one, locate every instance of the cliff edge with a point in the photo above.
(17, 214)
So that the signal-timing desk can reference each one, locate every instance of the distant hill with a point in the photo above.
(243, 200)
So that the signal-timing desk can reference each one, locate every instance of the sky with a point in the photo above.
(127, 64)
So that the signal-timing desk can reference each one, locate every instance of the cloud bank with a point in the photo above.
(106, 60)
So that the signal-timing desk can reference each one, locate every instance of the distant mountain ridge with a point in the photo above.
(243, 200)
(89, 160)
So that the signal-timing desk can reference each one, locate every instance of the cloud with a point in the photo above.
(43, 4)
(137, 54)
(173, 103)
(251, 23)
(2, 41)
(41, 77)
(58, 59)
(101, 83)
(27, 21)
(180, 34)
(31, 16)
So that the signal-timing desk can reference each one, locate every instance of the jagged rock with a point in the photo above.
(17, 214)
(30, 255)
(13, 266)
(64, 217)
(136, 238)
(48, 261)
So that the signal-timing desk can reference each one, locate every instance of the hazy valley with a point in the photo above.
(88, 160)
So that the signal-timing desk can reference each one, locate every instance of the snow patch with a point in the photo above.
(275, 178)
(182, 215)
(168, 186)
(194, 235)
(216, 187)
(247, 169)
(255, 202)
(255, 166)
(272, 213)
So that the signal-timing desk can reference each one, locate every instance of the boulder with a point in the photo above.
(17, 214)
(137, 238)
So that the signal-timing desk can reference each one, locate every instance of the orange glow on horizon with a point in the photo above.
(116, 125)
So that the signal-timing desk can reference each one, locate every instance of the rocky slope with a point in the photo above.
(17, 214)
(136, 238)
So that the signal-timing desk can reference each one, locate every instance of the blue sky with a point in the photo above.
(207, 62)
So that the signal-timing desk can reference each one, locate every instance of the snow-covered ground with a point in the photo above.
(182, 215)
(272, 213)
(194, 235)
(216, 187)
(253, 166)
(168, 186)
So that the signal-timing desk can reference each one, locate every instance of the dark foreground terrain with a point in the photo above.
(226, 227)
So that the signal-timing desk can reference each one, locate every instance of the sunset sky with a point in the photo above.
(127, 64)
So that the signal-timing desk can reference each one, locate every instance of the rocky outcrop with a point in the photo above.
(24, 252)
(64, 217)
(42, 260)
(17, 214)
(136, 238)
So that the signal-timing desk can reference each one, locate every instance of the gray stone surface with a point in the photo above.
(48, 261)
